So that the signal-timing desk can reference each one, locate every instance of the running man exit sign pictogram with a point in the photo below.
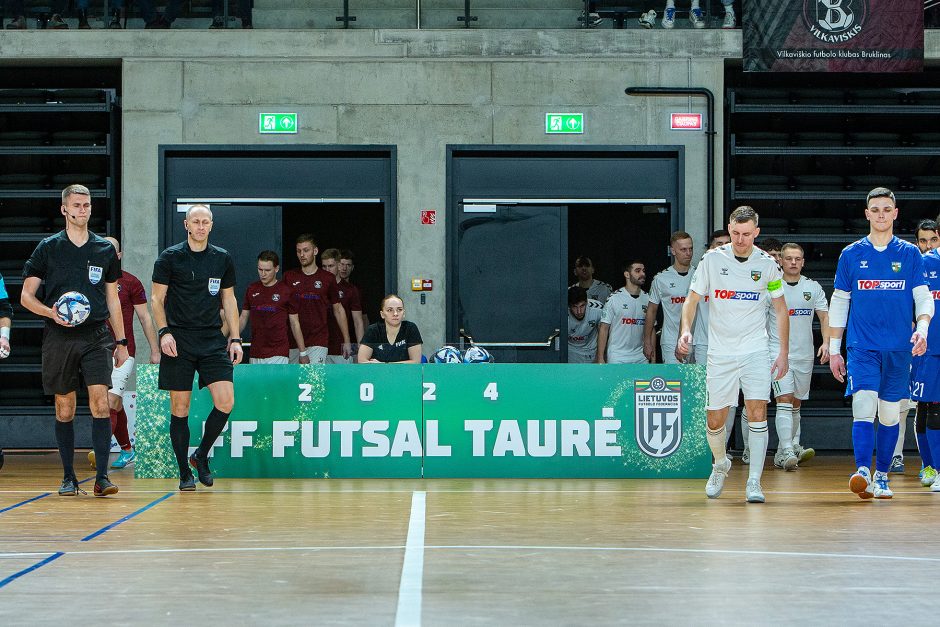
(277, 123)
(564, 123)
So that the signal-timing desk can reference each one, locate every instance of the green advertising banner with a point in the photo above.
(444, 420)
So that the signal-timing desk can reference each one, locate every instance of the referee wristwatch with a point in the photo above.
(121, 342)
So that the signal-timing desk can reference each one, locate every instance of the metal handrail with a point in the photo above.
(546, 344)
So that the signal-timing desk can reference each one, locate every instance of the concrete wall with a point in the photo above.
(419, 90)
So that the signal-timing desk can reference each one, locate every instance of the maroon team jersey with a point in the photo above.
(349, 298)
(313, 295)
(269, 307)
(130, 292)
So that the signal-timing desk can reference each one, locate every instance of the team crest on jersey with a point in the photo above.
(94, 274)
(214, 285)
(896, 266)
(342, 294)
(317, 284)
(755, 275)
(275, 297)
(807, 295)
(658, 425)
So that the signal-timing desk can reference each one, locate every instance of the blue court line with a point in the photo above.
(25, 571)
(126, 518)
(36, 498)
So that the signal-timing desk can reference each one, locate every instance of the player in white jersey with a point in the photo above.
(620, 335)
(804, 298)
(718, 238)
(584, 271)
(669, 289)
(584, 316)
(739, 279)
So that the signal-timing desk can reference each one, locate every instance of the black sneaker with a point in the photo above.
(201, 464)
(57, 23)
(158, 22)
(104, 487)
(217, 22)
(188, 483)
(115, 19)
(69, 487)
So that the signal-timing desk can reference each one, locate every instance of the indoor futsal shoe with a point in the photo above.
(104, 487)
(927, 475)
(753, 492)
(91, 460)
(716, 480)
(124, 459)
(897, 464)
(69, 487)
(881, 491)
(201, 464)
(804, 454)
(188, 483)
(860, 484)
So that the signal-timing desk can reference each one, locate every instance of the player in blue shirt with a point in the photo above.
(883, 279)
(925, 385)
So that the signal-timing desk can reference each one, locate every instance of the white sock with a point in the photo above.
(745, 432)
(759, 437)
(695, 4)
(670, 4)
(902, 427)
(784, 424)
(796, 427)
(729, 423)
(716, 441)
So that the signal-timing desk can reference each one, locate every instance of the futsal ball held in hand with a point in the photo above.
(477, 355)
(73, 308)
(446, 355)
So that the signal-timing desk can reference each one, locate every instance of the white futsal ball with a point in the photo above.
(477, 355)
(73, 308)
(446, 355)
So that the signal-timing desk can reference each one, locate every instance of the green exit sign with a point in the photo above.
(277, 123)
(564, 123)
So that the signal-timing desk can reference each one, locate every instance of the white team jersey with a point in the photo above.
(626, 316)
(669, 290)
(598, 291)
(582, 334)
(738, 292)
(804, 298)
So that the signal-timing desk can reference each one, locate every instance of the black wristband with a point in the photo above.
(235, 339)
(121, 342)
(163, 331)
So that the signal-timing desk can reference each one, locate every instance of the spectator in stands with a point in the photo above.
(596, 290)
(394, 339)
(218, 11)
(593, 19)
(696, 15)
(152, 19)
(268, 304)
(15, 9)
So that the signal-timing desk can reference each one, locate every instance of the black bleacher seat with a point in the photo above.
(819, 138)
(883, 140)
(22, 138)
(762, 139)
(88, 179)
(77, 96)
(78, 138)
(22, 181)
(930, 183)
(926, 139)
(763, 96)
(866, 183)
(23, 96)
(774, 225)
(819, 225)
(818, 182)
(859, 226)
(762, 182)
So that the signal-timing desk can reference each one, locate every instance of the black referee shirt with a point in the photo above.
(66, 267)
(194, 284)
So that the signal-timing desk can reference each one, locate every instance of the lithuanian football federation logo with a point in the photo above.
(896, 266)
(807, 295)
(658, 425)
(755, 275)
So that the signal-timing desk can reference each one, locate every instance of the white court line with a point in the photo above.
(471, 547)
(412, 569)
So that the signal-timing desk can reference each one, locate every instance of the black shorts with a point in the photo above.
(205, 352)
(68, 354)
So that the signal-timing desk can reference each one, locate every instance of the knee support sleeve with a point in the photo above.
(889, 412)
(933, 416)
(865, 406)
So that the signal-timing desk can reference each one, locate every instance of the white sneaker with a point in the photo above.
(753, 492)
(790, 461)
(746, 456)
(881, 489)
(697, 18)
(716, 480)
(860, 483)
(648, 19)
(803, 454)
(729, 21)
(935, 487)
(669, 17)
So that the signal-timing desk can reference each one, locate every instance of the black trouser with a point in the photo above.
(244, 8)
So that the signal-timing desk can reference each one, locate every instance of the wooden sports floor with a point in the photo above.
(465, 552)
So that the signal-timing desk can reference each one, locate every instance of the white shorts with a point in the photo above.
(701, 353)
(668, 347)
(795, 381)
(317, 355)
(726, 374)
(277, 359)
(339, 359)
(628, 358)
(120, 376)
(577, 356)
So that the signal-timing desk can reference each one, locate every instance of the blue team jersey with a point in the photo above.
(881, 283)
(932, 270)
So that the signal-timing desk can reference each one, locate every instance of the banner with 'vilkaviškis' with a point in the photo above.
(833, 35)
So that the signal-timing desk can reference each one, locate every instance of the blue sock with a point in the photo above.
(863, 441)
(887, 440)
(923, 445)
(933, 439)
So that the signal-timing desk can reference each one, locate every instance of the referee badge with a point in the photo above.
(94, 274)
(755, 275)
(214, 285)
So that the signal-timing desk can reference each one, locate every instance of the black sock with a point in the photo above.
(179, 438)
(65, 438)
(215, 422)
(101, 443)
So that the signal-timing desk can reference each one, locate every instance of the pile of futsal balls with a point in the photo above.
(450, 355)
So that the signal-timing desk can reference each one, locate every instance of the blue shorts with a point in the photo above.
(925, 379)
(886, 372)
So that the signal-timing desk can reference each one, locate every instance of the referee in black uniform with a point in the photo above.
(76, 259)
(190, 282)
